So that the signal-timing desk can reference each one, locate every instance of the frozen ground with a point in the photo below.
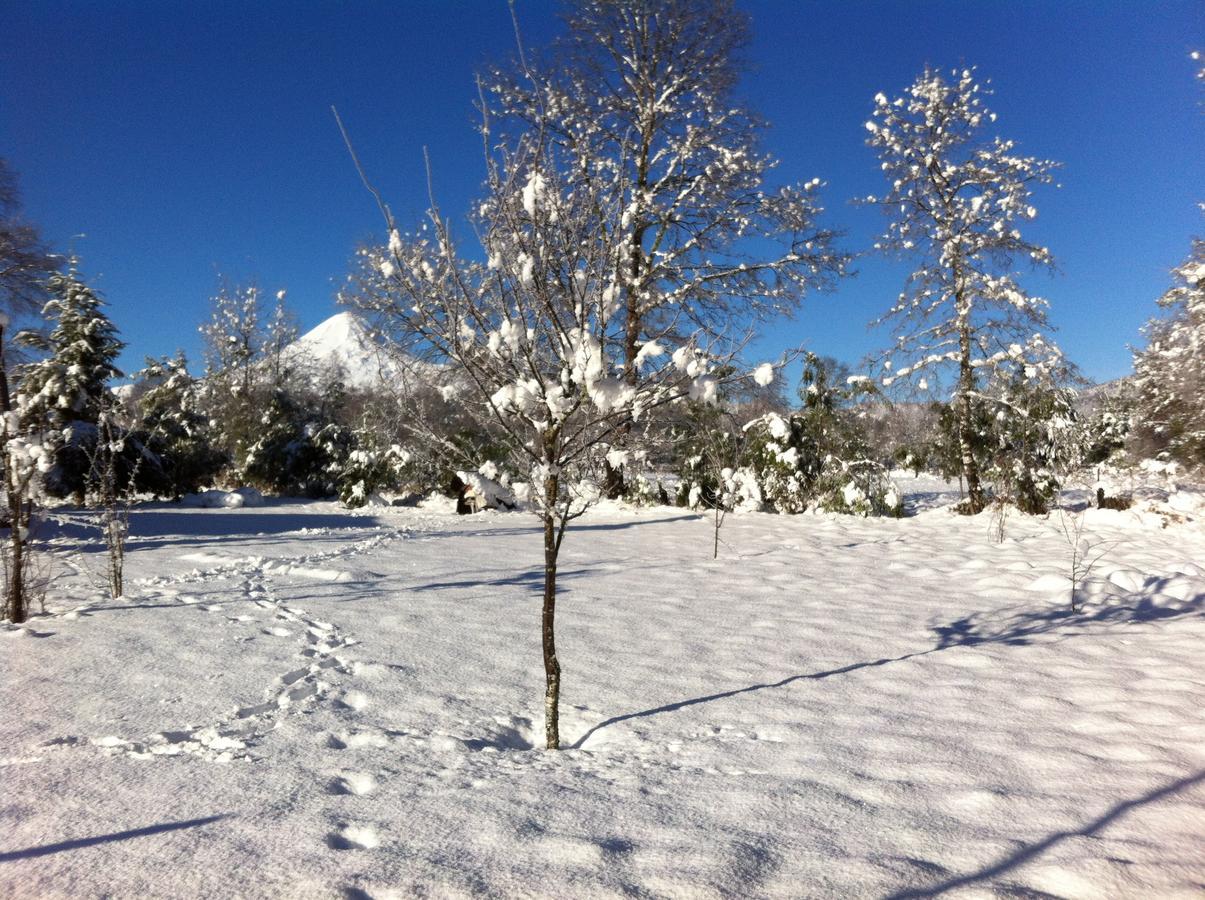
(297, 701)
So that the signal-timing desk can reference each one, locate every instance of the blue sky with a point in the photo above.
(188, 139)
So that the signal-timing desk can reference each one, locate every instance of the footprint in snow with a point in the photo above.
(353, 837)
(356, 784)
(356, 700)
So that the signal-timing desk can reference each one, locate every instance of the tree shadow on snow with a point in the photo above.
(749, 689)
(78, 843)
(533, 580)
(155, 528)
(1018, 630)
(536, 528)
(1031, 851)
(1021, 627)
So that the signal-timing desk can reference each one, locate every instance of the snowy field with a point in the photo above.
(299, 701)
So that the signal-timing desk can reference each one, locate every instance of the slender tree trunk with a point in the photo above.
(18, 608)
(552, 667)
(613, 480)
(17, 605)
(966, 422)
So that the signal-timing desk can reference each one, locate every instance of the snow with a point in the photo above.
(763, 375)
(301, 701)
(343, 343)
(215, 499)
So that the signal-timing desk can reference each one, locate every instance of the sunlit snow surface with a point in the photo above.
(298, 701)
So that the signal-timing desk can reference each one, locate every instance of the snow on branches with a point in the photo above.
(636, 106)
(956, 204)
(1169, 373)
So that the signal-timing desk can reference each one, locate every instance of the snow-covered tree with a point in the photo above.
(370, 468)
(639, 100)
(956, 201)
(818, 457)
(1038, 439)
(1169, 372)
(244, 363)
(173, 430)
(297, 453)
(65, 393)
(529, 344)
(24, 265)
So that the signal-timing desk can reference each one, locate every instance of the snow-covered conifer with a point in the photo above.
(65, 393)
(957, 201)
(1169, 372)
(182, 457)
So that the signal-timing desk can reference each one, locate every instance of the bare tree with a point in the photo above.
(955, 201)
(1084, 552)
(25, 262)
(639, 99)
(529, 344)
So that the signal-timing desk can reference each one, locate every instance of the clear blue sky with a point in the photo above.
(191, 138)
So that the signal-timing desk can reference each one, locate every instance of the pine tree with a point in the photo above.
(182, 457)
(1169, 372)
(66, 392)
(955, 203)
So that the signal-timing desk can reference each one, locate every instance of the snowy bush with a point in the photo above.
(368, 470)
(1039, 440)
(297, 453)
(796, 472)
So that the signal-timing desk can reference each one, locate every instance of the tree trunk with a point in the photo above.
(613, 483)
(14, 591)
(552, 668)
(18, 608)
(966, 423)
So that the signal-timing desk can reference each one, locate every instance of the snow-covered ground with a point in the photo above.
(298, 701)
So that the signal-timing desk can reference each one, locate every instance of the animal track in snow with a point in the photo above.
(232, 737)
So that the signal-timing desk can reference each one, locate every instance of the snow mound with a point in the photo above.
(215, 499)
(481, 492)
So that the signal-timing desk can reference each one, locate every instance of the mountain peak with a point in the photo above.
(343, 343)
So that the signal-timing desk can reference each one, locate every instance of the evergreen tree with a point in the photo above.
(182, 458)
(297, 453)
(245, 364)
(1038, 439)
(66, 392)
(1169, 372)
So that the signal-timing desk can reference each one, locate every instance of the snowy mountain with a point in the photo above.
(345, 344)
